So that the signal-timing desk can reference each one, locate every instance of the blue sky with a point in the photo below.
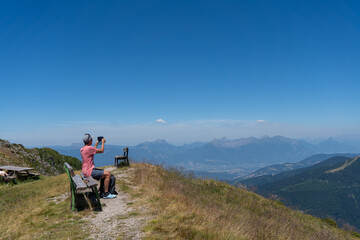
(207, 68)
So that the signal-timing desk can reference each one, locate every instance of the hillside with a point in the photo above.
(44, 160)
(284, 167)
(286, 171)
(154, 203)
(329, 190)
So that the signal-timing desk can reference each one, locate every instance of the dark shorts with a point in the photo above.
(97, 173)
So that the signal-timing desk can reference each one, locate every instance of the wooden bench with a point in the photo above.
(11, 177)
(34, 175)
(124, 158)
(27, 175)
(78, 184)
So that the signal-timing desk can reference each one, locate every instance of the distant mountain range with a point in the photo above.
(219, 158)
(329, 189)
(332, 145)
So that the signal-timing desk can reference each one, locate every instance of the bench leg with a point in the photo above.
(72, 203)
(97, 196)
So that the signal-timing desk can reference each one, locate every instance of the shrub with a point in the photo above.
(331, 222)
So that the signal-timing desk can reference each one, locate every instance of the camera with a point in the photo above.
(100, 138)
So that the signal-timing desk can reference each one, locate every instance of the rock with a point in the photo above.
(4, 143)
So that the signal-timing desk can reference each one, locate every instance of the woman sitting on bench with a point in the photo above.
(88, 166)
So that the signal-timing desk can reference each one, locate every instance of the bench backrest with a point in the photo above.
(126, 151)
(69, 170)
(75, 180)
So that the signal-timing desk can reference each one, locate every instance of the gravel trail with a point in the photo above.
(120, 217)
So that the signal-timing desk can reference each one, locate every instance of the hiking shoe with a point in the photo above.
(109, 196)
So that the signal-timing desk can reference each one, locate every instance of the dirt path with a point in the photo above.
(346, 164)
(121, 217)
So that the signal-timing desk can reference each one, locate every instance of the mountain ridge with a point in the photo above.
(269, 173)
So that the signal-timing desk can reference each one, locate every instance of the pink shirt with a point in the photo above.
(87, 155)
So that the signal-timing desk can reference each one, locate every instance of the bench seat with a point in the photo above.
(90, 182)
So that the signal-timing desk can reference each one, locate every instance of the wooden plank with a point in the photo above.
(11, 174)
(14, 168)
(71, 171)
(34, 174)
(79, 183)
(90, 182)
(8, 177)
(22, 173)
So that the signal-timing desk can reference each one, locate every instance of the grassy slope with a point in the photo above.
(323, 192)
(190, 208)
(182, 207)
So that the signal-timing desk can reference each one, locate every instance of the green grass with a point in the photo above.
(27, 211)
(134, 214)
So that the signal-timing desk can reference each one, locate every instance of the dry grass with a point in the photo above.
(27, 211)
(190, 208)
